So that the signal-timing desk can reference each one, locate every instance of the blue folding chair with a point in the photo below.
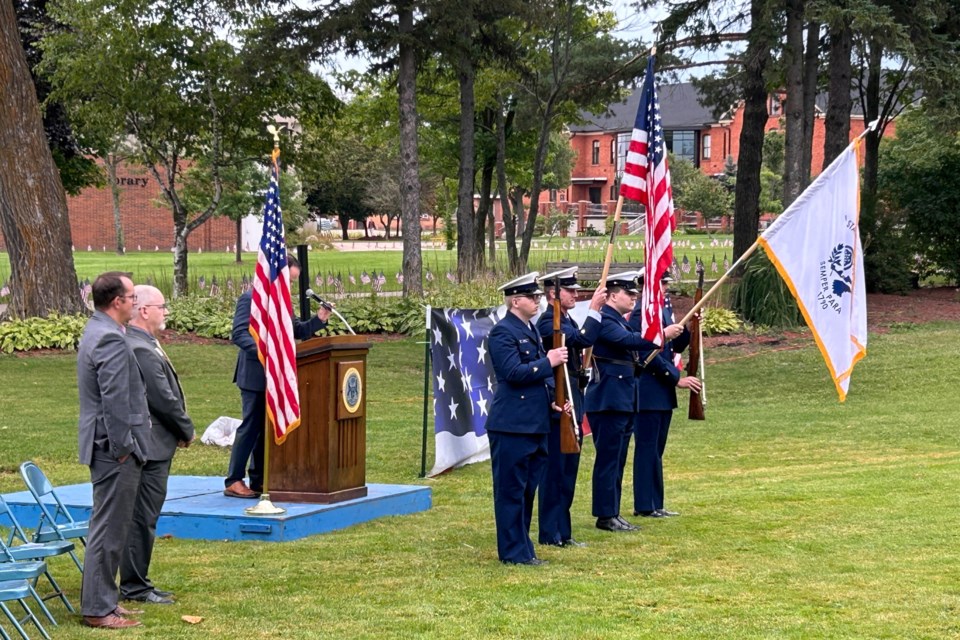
(16, 571)
(18, 590)
(56, 523)
(15, 547)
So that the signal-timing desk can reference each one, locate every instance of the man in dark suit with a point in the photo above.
(114, 435)
(657, 385)
(250, 377)
(519, 418)
(172, 427)
(560, 480)
(611, 399)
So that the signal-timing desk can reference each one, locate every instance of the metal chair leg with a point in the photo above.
(43, 607)
(33, 619)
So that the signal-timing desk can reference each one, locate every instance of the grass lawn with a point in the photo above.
(802, 517)
(158, 266)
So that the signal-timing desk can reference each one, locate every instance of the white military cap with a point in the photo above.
(625, 280)
(567, 278)
(524, 285)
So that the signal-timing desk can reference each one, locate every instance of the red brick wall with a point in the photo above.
(146, 225)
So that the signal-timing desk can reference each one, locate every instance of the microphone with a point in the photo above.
(323, 303)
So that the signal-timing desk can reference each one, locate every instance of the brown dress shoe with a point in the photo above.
(239, 490)
(110, 621)
(123, 611)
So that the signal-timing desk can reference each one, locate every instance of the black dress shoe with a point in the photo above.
(163, 594)
(649, 514)
(533, 562)
(570, 542)
(667, 514)
(153, 598)
(615, 524)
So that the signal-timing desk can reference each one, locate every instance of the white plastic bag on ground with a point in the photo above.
(221, 432)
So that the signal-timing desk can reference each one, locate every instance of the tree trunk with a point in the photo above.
(467, 261)
(838, 108)
(344, 223)
(509, 223)
(409, 160)
(747, 194)
(180, 251)
(238, 244)
(485, 210)
(33, 207)
(811, 68)
(793, 106)
(871, 143)
(110, 161)
(539, 160)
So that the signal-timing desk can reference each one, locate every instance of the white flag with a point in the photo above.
(815, 245)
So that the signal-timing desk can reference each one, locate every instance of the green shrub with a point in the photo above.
(207, 317)
(718, 321)
(53, 332)
(762, 297)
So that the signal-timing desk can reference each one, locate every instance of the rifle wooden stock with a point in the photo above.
(693, 356)
(568, 435)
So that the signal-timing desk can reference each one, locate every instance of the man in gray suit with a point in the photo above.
(172, 427)
(114, 432)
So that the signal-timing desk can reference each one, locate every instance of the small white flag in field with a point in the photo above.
(815, 245)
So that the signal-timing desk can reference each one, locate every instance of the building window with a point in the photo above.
(613, 192)
(596, 152)
(682, 144)
(613, 151)
(563, 195)
(775, 106)
(623, 146)
(553, 195)
(706, 146)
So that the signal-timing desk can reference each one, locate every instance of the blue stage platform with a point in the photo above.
(197, 509)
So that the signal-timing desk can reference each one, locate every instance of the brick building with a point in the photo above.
(691, 132)
(147, 222)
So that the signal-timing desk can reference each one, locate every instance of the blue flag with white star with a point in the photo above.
(463, 385)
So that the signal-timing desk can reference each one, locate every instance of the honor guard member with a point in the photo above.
(560, 479)
(519, 419)
(611, 399)
(657, 384)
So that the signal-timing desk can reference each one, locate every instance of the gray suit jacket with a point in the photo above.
(168, 411)
(113, 404)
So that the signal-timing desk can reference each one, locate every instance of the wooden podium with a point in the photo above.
(324, 459)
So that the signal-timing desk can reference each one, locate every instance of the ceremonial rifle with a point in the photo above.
(696, 351)
(568, 433)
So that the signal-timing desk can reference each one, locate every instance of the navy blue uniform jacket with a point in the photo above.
(658, 381)
(576, 340)
(521, 403)
(617, 347)
(249, 374)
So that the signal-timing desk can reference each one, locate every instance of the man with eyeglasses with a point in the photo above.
(172, 428)
(519, 418)
(114, 436)
(560, 479)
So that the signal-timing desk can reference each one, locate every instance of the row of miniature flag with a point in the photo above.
(375, 280)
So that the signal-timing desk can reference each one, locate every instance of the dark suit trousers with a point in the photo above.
(517, 461)
(651, 428)
(114, 496)
(135, 564)
(611, 437)
(249, 440)
(557, 489)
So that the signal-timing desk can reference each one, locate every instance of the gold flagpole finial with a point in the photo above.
(275, 131)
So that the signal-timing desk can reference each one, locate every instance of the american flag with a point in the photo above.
(365, 277)
(271, 317)
(463, 384)
(378, 282)
(338, 283)
(646, 178)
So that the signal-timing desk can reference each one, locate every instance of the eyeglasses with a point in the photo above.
(132, 297)
(533, 296)
(158, 306)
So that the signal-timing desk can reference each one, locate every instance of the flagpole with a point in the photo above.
(588, 352)
(746, 254)
(264, 507)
